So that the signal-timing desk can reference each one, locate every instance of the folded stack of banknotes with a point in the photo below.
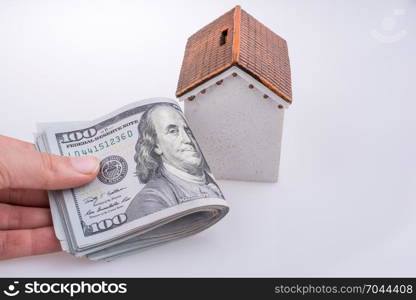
(153, 186)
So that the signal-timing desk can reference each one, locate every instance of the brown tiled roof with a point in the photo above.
(236, 39)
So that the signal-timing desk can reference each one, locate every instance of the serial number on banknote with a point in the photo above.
(103, 145)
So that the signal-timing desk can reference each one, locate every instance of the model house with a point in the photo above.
(235, 83)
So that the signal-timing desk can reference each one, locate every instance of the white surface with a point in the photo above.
(345, 201)
(237, 129)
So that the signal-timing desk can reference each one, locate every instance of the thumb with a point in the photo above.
(24, 167)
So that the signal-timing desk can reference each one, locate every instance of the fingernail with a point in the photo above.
(85, 165)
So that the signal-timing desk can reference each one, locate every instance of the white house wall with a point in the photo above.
(259, 86)
(237, 129)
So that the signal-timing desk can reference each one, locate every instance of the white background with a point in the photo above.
(345, 202)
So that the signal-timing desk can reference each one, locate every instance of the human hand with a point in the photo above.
(25, 176)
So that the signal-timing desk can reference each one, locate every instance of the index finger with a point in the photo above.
(38, 198)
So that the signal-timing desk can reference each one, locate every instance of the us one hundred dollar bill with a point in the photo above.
(153, 186)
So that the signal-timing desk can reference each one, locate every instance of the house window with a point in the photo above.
(223, 38)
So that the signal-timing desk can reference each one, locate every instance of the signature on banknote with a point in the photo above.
(105, 201)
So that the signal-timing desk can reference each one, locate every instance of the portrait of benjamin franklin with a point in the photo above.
(169, 163)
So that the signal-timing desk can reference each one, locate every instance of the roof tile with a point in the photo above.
(236, 39)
